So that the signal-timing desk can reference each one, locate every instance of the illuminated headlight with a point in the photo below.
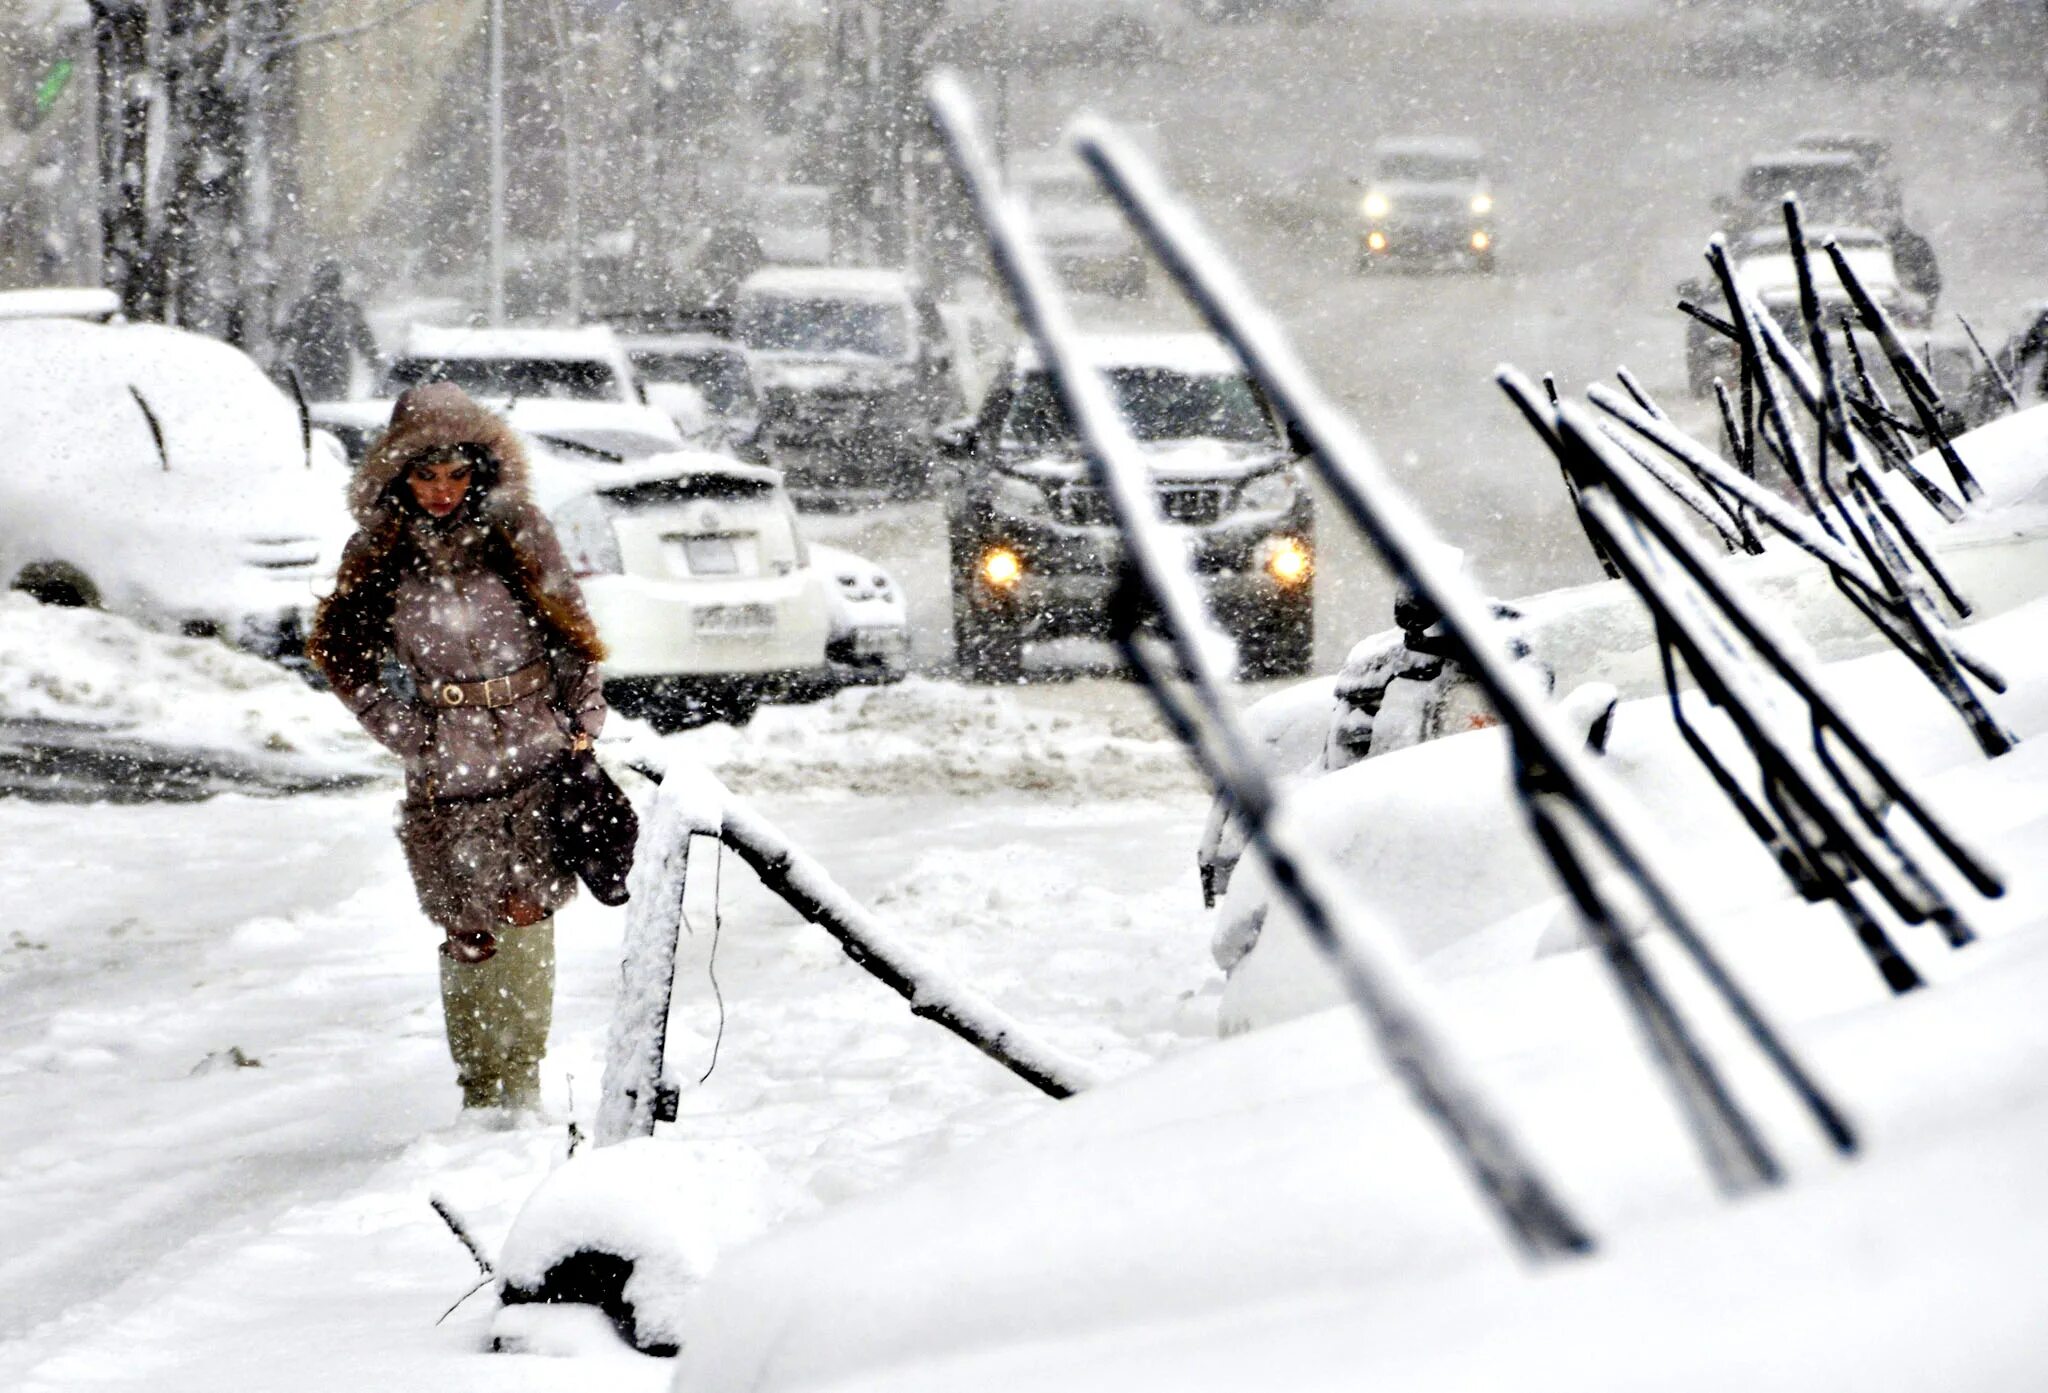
(1482, 204)
(1020, 498)
(1376, 205)
(1289, 561)
(1269, 493)
(1376, 240)
(1001, 567)
(1480, 241)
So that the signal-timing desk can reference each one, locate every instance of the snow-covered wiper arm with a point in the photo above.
(1561, 788)
(1155, 580)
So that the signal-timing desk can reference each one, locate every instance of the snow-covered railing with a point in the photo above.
(1571, 806)
(690, 803)
(1189, 681)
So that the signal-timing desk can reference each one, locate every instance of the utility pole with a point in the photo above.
(497, 124)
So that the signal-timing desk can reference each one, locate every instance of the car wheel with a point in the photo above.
(58, 584)
(1280, 642)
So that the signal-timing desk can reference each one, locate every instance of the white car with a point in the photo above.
(161, 475)
(593, 433)
(703, 382)
(1090, 242)
(499, 364)
(703, 586)
(869, 644)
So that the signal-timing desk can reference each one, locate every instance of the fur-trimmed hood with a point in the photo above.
(434, 417)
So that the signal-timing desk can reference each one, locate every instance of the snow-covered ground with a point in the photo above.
(178, 1220)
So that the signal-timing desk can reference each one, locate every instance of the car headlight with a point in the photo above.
(1269, 493)
(1020, 498)
(1376, 205)
(1482, 204)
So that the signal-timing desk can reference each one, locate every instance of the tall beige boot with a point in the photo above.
(498, 1014)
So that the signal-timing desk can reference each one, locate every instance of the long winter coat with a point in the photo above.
(483, 593)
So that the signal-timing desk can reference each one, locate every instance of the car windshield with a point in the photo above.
(1419, 167)
(1158, 404)
(524, 379)
(721, 377)
(1826, 193)
(819, 324)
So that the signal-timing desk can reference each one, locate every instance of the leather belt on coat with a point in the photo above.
(492, 691)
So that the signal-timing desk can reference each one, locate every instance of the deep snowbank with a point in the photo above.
(924, 737)
(97, 674)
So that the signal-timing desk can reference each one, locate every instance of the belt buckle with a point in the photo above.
(451, 694)
(487, 691)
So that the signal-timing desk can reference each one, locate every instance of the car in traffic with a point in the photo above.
(1035, 553)
(1836, 187)
(868, 639)
(699, 577)
(1088, 240)
(1428, 201)
(1763, 264)
(158, 474)
(792, 223)
(854, 368)
(703, 382)
(593, 432)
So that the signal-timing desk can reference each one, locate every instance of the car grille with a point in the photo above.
(287, 554)
(1084, 505)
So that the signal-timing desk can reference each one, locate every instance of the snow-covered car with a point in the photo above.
(87, 302)
(1034, 548)
(854, 368)
(793, 224)
(160, 475)
(869, 642)
(1763, 264)
(1836, 187)
(1089, 241)
(587, 363)
(594, 432)
(699, 578)
(703, 381)
(1429, 201)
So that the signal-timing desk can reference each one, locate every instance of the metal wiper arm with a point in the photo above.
(1549, 756)
(1155, 576)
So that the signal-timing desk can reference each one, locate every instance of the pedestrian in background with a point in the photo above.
(323, 335)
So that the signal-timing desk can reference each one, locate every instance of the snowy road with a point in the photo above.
(176, 1223)
(1609, 159)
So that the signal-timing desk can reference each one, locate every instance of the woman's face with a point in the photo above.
(439, 483)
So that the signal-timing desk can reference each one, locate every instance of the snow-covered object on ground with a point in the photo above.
(869, 638)
(231, 524)
(925, 737)
(93, 673)
(665, 1209)
(1434, 838)
(1264, 1214)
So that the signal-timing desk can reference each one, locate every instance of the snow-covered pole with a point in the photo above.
(691, 803)
(1554, 767)
(1156, 580)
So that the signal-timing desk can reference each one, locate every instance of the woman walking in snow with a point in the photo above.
(457, 636)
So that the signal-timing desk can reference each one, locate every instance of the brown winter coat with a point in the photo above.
(484, 593)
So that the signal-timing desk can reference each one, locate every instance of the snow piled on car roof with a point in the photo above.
(924, 737)
(584, 343)
(835, 282)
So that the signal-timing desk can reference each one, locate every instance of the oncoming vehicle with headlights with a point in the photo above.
(1428, 201)
(1034, 547)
